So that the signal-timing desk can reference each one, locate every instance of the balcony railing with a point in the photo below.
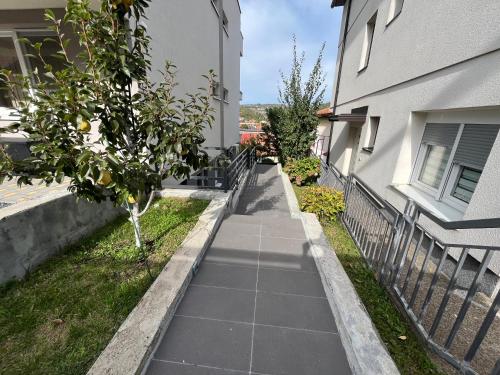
(224, 171)
(446, 289)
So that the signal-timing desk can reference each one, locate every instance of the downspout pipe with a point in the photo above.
(221, 72)
(339, 74)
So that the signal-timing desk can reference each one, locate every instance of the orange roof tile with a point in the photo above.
(325, 112)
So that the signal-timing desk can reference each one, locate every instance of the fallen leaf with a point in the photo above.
(402, 338)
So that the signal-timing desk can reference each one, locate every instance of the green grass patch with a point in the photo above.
(409, 354)
(61, 316)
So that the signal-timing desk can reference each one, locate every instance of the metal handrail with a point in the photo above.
(227, 176)
(392, 243)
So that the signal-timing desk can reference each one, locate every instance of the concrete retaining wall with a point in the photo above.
(31, 232)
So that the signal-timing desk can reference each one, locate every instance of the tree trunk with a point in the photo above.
(134, 218)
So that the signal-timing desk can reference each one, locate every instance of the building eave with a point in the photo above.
(338, 3)
(349, 117)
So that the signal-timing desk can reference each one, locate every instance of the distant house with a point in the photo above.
(320, 147)
(416, 106)
(195, 35)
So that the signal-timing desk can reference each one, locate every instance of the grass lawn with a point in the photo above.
(63, 314)
(410, 355)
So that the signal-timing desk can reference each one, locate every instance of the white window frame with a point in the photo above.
(450, 176)
(448, 191)
(372, 133)
(225, 20)
(393, 13)
(367, 42)
(20, 52)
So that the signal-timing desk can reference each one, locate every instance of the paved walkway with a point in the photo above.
(256, 305)
(10, 193)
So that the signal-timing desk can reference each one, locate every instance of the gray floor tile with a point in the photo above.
(234, 248)
(277, 252)
(207, 342)
(229, 228)
(226, 276)
(281, 351)
(291, 262)
(280, 281)
(236, 241)
(157, 367)
(295, 312)
(283, 245)
(235, 218)
(255, 201)
(217, 303)
(264, 208)
(283, 227)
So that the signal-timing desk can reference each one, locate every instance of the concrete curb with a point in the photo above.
(293, 204)
(131, 346)
(365, 350)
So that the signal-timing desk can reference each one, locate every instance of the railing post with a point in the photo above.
(226, 180)
(247, 157)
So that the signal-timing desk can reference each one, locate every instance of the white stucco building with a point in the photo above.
(417, 107)
(320, 146)
(196, 35)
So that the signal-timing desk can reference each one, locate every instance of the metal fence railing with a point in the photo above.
(330, 176)
(224, 171)
(446, 289)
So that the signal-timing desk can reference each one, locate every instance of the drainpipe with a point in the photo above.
(221, 72)
(339, 73)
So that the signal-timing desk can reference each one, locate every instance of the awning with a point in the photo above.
(349, 117)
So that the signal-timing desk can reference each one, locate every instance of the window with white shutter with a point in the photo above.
(451, 159)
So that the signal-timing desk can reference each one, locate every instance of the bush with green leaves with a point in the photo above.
(88, 124)
(303, 171)
(293, 125)
(322, 201)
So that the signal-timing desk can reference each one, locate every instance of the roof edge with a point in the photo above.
(338, 3)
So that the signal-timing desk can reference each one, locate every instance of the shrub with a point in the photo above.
(322, 201)
(293, 124)
(303, 171)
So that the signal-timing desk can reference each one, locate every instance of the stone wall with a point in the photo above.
(32, 231)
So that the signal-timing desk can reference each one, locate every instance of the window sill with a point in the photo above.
(215, 8)
(393, 19)
(363, 69)
(441, 209)
(8, 114)
(218, 99)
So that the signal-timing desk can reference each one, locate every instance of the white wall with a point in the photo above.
(429, 64)
(426, 36)
(186, 32)
(233, 49)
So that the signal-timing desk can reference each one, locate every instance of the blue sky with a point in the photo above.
(268, 26)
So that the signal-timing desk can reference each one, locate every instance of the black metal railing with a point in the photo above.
(445, 288)
(330, 176)
(224, 172)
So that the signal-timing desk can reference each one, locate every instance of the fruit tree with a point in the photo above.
(99, 122)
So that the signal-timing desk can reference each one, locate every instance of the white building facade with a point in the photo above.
(195, 35)
(417, 107)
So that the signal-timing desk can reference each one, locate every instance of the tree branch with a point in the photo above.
(151, 196)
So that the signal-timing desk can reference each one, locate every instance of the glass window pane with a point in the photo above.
(48, 50)
(10, 61)
(434, 165)
(466, 184)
